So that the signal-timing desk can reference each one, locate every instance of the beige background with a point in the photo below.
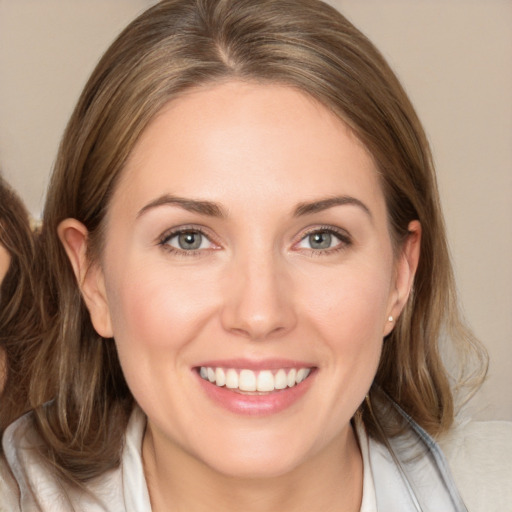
(454, 58)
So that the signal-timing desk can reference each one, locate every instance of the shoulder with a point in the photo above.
(9, 495)
(11, 465)
(28, 482)
(480, 457)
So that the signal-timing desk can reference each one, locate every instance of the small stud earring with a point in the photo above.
(390, 318)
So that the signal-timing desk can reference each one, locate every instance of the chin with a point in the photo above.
(256, 458)
(257, 468)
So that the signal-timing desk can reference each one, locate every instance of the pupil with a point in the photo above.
(189, 241)
(320, 240)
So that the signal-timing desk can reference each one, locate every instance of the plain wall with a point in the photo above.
(454, 58)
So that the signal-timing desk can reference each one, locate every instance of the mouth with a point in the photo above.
(259, 382)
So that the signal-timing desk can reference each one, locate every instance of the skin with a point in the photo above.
(256, 289)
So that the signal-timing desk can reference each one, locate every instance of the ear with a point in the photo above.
(74, 237)
(405, 270)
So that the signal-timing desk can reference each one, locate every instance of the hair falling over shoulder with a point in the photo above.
(182, 44)
(20, 311)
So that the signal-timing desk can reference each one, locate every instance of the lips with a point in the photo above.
(255, 388)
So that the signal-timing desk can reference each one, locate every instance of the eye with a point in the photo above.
(187, 241)
(324, 240)
(320, 240)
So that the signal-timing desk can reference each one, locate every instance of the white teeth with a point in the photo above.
(292, 374)
(247, 380)
(280, 380)
(301, 375)
(232, 379)
(220, 377)
(264, 381)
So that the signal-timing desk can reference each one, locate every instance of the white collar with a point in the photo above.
(135, 490)
(125, 490)
(369, 501)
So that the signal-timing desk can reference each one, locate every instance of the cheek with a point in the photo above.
(351, 300)
(156, 314)
(349, 315)
(154, 308)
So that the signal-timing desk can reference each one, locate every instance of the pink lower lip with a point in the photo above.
(256, 405)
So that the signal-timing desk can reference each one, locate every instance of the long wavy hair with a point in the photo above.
(20, 316)
(182, 44)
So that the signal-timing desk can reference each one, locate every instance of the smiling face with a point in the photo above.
(247, 277)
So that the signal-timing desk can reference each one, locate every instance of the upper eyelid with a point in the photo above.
(341, 233)
(343, 236)
(319, 229)
(172, 232)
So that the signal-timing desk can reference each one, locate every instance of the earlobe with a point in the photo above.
(74, 237)
(406, 266)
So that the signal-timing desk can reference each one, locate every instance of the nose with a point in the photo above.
(258, 298)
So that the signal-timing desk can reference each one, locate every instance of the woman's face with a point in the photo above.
(247, 244)
(5, 260)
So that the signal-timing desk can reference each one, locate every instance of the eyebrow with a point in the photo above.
(192, 205)
(324, 204)
(212, 209)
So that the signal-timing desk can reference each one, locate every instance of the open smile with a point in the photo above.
(246, 380)
(255, 392)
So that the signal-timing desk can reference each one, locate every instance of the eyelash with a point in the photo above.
(169, 235)
(345, 241)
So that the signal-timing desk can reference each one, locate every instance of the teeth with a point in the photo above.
(232, 379)
(291, 377)
(264, 381)
(280, 380)
(247, 381)
(220, 377)
(301, 375)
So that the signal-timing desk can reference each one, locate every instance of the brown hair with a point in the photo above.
(20, 326)
(181, 44)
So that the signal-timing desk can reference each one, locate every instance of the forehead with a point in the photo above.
(249, 139)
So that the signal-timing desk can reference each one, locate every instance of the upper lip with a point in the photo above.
(255, 365)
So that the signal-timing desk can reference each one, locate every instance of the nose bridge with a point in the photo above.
(257, 302)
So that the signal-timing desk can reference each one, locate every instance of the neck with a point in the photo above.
(330, 481)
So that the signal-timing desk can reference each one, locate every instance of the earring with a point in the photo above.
(390, 318)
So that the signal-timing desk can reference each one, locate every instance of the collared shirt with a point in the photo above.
(26, 485)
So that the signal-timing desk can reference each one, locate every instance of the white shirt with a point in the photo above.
(27, 486)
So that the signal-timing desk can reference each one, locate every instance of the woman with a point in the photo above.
(249, 277)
